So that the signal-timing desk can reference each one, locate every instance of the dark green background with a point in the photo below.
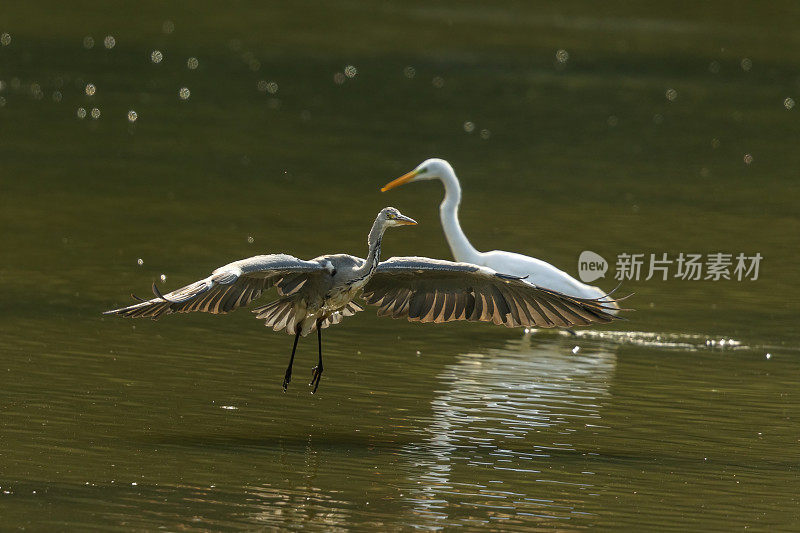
(429, 426)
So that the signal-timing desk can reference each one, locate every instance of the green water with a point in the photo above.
(181, 424)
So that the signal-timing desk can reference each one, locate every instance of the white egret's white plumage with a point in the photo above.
(535, 271)
(318, 293)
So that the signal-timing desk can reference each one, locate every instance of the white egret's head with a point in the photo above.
(430, 169)
(390, 216)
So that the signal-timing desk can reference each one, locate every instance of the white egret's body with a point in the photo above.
(535, 271)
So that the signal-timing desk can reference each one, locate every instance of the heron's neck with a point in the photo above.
(374, 253)
(448, 211)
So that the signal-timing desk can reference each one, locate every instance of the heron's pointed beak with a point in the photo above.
(402, 180)
(403, 220)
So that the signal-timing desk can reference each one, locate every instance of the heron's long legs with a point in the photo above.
(288, 377)
(316, 372)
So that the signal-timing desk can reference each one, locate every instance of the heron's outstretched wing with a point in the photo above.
(228, 287)
(431, 290)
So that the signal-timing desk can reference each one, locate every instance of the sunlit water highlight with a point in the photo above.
(650, 339)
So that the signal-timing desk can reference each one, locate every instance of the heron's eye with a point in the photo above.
(423, 170)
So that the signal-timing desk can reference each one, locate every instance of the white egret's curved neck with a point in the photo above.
(448, 212)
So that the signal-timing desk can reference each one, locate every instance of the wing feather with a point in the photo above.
(488, 308)
(399, 298)
(552, 314)
(415, 304)
(228, 287)
(450, 305)
(469, 306)
(431, 290)
(477, 309)
(351, 309)
(519, 308)
(438, 306)
(538, 315)
(402, 310)
(427, 313)
(458, 310)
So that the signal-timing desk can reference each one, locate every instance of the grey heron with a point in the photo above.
(315, 294)
(535, 271)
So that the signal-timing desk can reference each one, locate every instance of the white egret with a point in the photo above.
(534, 271)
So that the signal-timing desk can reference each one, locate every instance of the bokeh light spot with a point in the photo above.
(36, 91)
(671, 94)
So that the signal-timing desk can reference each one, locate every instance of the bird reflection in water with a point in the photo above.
(499, 441)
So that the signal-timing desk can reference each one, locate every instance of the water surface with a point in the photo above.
(685, 416)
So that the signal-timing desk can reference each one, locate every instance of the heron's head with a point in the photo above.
(430, 169)
(389, 216)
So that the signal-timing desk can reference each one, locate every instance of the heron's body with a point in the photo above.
(321, 297)
(317, 293)
(535, 271)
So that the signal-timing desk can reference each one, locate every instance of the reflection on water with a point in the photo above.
(312, 505)
(497, 422)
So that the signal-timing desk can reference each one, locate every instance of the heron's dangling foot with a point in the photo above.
(316, 375)
(288, 376)
(316, 372)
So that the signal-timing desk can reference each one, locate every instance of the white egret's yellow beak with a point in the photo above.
(403, 220)
(402, 180)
